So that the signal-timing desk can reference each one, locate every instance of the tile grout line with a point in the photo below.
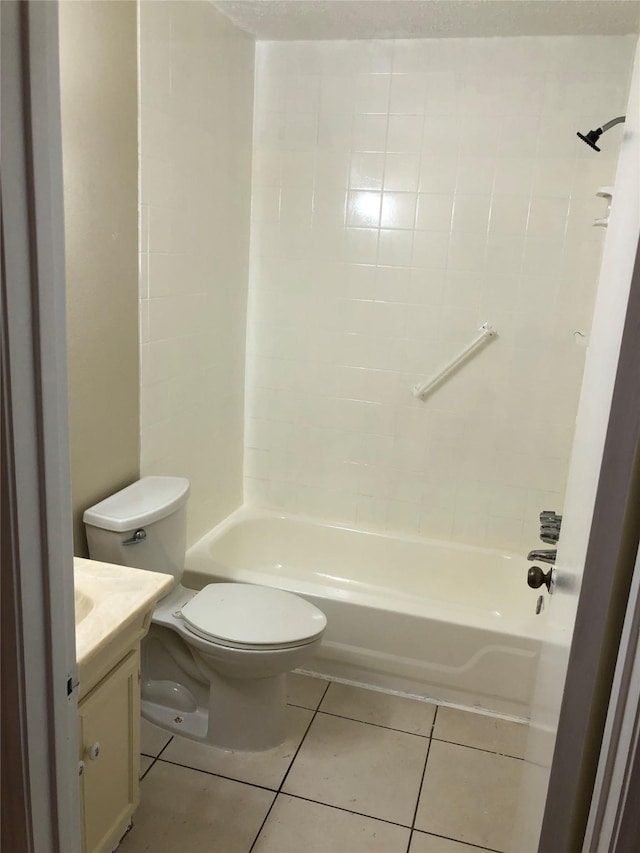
(154, 757)
(457, 841)
(315, 713)
(424, 773)
(153, 761)
(165, 746)
(376, 725)
(479, 749)
(283, 780)
(415, 734)
(347, 811)
(217, 775)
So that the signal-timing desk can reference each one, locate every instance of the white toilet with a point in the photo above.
(214, 662)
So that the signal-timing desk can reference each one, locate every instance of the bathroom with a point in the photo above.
(301, 217)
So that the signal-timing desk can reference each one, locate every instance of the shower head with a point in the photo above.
(591, 138)
(594, 135)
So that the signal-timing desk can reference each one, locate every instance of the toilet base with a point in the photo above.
(241, 714)
(189, 724)
(247, 713)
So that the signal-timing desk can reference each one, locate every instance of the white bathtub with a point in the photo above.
(418, 616)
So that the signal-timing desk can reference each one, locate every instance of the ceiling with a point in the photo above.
(280, 20)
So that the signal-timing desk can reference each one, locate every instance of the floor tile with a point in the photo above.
(359, 767)
(184, 811)
(145, 763)
(481, 731)
(153, 739)
(304, 690)
(257, 768)
(298, 825)
(421, 842)
(469, 795)
(383, 709)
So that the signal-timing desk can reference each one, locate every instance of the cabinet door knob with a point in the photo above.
(80, 768)
(93, 751)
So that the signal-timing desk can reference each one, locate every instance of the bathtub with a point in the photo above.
(416, 616)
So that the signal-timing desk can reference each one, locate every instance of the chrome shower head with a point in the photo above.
(594, 135)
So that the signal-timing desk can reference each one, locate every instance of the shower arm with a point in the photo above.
(614, 121)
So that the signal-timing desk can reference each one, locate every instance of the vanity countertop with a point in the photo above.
(109, 599)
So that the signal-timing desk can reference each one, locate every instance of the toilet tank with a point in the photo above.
(143, 526)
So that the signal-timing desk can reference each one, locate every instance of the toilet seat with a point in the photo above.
(247, 616)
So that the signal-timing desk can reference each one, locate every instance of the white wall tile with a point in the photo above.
(471, 213)
(401, 172)
(398, 210)
(372, 92)
(447, 188)
(363, 209)
(404, 133)
(434, 212)
(430, 249)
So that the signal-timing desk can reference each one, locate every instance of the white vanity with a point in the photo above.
(113, 613)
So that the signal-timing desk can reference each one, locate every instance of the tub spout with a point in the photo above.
(544, 555)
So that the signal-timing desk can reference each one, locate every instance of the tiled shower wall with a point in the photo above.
(404, 193)
(196, 104)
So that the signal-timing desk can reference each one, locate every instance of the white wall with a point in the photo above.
(196, 104)
(99, 116)
(403, 193)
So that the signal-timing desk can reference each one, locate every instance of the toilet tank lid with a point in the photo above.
(143, 502)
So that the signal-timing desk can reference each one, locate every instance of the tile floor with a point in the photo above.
(361, 772)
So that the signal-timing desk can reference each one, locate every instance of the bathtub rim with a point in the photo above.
(521, 624)
(248, 513)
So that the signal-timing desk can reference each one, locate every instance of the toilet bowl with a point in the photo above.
(214, 662)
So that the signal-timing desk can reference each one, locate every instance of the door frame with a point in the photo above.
(40, 792)
(607, 580)
(612, 826)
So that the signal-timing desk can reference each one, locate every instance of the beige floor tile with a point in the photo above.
(421, 842)
(184, 811)
(295, 825)
(304, 690)
(152, 738)
(383, 709)
(257, 768)
(469, 795)
(481, 731)
(359, 767)
(145, 764)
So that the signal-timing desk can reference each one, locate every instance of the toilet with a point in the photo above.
(214, 662)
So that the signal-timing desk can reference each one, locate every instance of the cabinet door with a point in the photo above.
(109, 722)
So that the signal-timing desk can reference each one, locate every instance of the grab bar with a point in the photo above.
(486, 333)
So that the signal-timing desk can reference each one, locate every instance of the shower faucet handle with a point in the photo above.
(549, 517)
(550, 535)
(537, 576)
(550, 523)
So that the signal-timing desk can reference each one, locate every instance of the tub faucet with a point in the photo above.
(550, 523)
(543, 555)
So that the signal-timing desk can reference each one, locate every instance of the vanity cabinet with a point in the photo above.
(109, 735)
